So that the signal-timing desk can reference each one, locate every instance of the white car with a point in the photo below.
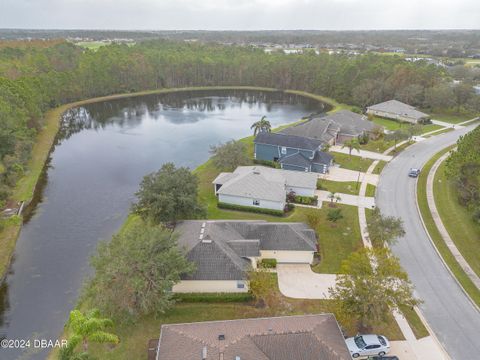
(365, 345)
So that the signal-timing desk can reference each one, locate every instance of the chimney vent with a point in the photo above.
(204, 353)
(221, 337)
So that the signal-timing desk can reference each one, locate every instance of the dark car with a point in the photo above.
(383, 357)
(414, 172)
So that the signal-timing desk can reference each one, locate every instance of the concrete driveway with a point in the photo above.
(362, 153)
(449, 312)
(298, 281)
(338, 174)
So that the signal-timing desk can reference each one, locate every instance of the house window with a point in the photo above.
(256, 202)
(284, 150)
(240, 285)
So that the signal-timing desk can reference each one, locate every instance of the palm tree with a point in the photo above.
(352, 144)
(86, 328)
(263, 125)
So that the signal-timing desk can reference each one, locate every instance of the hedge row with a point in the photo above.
(213, 297)
(306, 200)
(268, 163)
(268, 263)
(223, 205)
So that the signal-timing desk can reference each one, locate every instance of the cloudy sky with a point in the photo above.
(240, 14)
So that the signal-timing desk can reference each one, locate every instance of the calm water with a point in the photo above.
(103, 151)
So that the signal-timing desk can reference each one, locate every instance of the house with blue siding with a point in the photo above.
(292, 152)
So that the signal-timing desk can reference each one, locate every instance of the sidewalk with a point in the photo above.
(362, 153)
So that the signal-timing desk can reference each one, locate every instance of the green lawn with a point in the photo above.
(352, 162)
(452, 117)
(347, 187)
(388, 124)
(377, 145)
(370, 190)
(378, 169)
(430, 127)
(447, 256)
(457, 219)
(415, 322)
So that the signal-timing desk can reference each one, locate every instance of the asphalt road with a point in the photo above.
(451, 315)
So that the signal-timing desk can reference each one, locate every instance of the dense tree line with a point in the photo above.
(36, 78)
(463, 168)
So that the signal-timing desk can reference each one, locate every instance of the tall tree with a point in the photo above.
(263, 125)
(136, 270)
(169, 195)
(352, 144)
(396, 136)
(370, 285)
(229, 155)
(384, 230)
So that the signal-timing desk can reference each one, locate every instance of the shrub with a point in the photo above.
(213, 297)
(223, 205)
(320, 186)
(363, 138)
(289, 207)
(268, 263)
(306, 200)
(268, 163)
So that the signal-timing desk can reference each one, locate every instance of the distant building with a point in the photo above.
(332, 129)
(305, 337)
(224, 251)
(263, 187)
(396, 110)
(292, 152)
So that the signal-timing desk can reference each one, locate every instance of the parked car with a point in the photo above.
(379, 357)
(365, 345)
(414, 172)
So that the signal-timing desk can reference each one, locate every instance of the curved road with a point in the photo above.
(450, 314)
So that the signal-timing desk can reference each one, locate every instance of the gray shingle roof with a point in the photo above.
(322, 158)
(296, 159)
(220, 251)
(261, 182)
(396, 107)
(304, 337)
(279, 139)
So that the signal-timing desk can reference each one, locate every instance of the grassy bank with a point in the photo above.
(457, 219)
(442, 248)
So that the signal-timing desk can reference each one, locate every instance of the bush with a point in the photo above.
(319, 185)
(268, 263)
(268, 163)
(213, 297)
(306, 200)
(289, 207)
(223, 205)
(363, 139)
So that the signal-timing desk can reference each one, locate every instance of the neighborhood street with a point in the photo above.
(450, 314)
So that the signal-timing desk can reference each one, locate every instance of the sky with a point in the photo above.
(240, 14)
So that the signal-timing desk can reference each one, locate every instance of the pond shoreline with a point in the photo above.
(27, 188)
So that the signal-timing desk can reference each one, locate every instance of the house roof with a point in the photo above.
(296, 159)
(327, 127)
(261, 182)
(306, 337)
(396, 107)
(219, 248)
(322, 158)
(291, 141)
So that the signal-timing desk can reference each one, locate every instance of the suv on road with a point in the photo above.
(414, 172)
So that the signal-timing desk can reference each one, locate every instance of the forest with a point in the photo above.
(38, 75)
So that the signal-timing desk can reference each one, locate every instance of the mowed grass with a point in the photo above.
(388, 124)
(453, 118)
(352, 162)
(415, 322)
(345, 187)
(370, 190)
(437, 239)
(378, 169)
(457, 219)
(376, 146)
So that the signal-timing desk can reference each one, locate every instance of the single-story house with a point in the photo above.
(305, 337)
(396, 110)
(224, 251)
(297, 153)
(262, 187)
(333, 129)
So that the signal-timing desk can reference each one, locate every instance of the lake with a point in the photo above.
(102, 152)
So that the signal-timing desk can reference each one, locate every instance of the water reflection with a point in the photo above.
(101, 154)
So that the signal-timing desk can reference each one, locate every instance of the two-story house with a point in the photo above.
(292, 152)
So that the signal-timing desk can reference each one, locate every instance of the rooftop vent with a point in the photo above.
(204, 353)
(221, 337)
(256, 172)
(237, 358)
(203, 225)
(202, 230)
(201, 237)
